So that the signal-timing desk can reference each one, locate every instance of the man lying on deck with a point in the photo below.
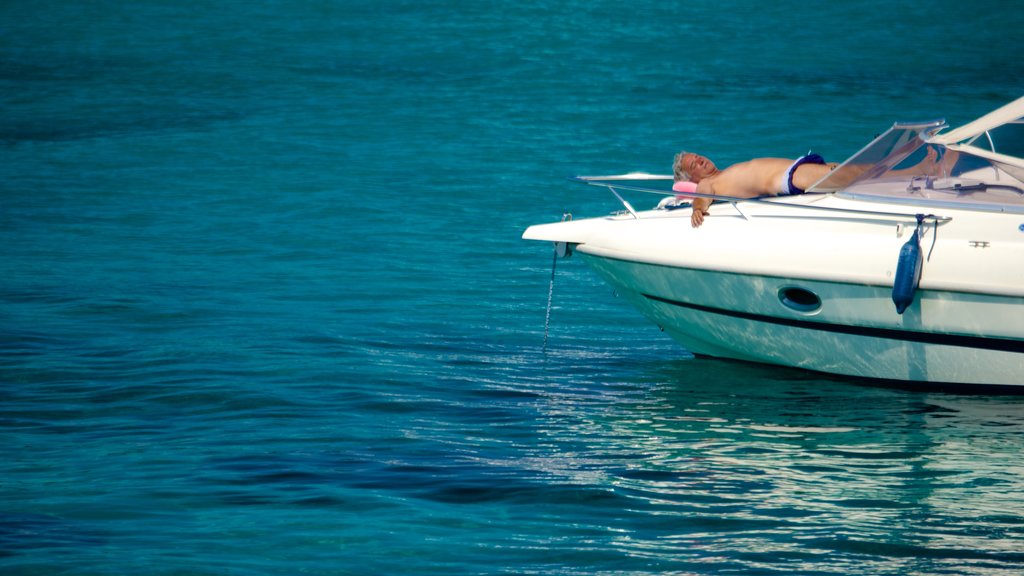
(757, 177)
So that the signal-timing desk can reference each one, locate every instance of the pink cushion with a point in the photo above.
(684, 187)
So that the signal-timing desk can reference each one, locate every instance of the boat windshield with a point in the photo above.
(908, 164)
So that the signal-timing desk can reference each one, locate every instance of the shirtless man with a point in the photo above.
(757, 177)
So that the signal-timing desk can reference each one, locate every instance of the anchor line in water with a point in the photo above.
(551, 293)
(551, 286)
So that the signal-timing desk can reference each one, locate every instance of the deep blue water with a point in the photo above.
(264, 307)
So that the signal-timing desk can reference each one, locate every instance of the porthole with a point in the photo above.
(799, 299)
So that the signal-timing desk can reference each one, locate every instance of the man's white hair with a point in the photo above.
(681, 175)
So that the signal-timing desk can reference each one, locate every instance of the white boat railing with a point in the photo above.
(610, 182)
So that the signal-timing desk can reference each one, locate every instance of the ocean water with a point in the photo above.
(264, 306)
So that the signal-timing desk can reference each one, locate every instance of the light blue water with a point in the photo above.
(264, 308)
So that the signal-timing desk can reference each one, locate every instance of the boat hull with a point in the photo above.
(839, 328)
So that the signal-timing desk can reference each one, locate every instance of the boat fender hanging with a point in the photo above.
(908, 270)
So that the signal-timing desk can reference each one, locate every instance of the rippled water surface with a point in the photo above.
(265, 308)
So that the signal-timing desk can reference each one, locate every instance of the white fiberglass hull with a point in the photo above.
(812, 289)
(852, 334)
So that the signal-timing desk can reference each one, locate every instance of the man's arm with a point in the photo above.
(701, 205)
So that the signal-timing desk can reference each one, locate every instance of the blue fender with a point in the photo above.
(908, 271)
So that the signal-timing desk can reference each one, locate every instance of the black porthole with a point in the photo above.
(800, 299)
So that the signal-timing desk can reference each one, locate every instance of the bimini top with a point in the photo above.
(977, 166)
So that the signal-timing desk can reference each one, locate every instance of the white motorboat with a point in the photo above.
(905, 263)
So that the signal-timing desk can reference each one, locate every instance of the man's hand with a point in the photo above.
(697, 218)
(700, 209)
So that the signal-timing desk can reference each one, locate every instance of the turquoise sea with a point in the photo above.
(265, 309)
